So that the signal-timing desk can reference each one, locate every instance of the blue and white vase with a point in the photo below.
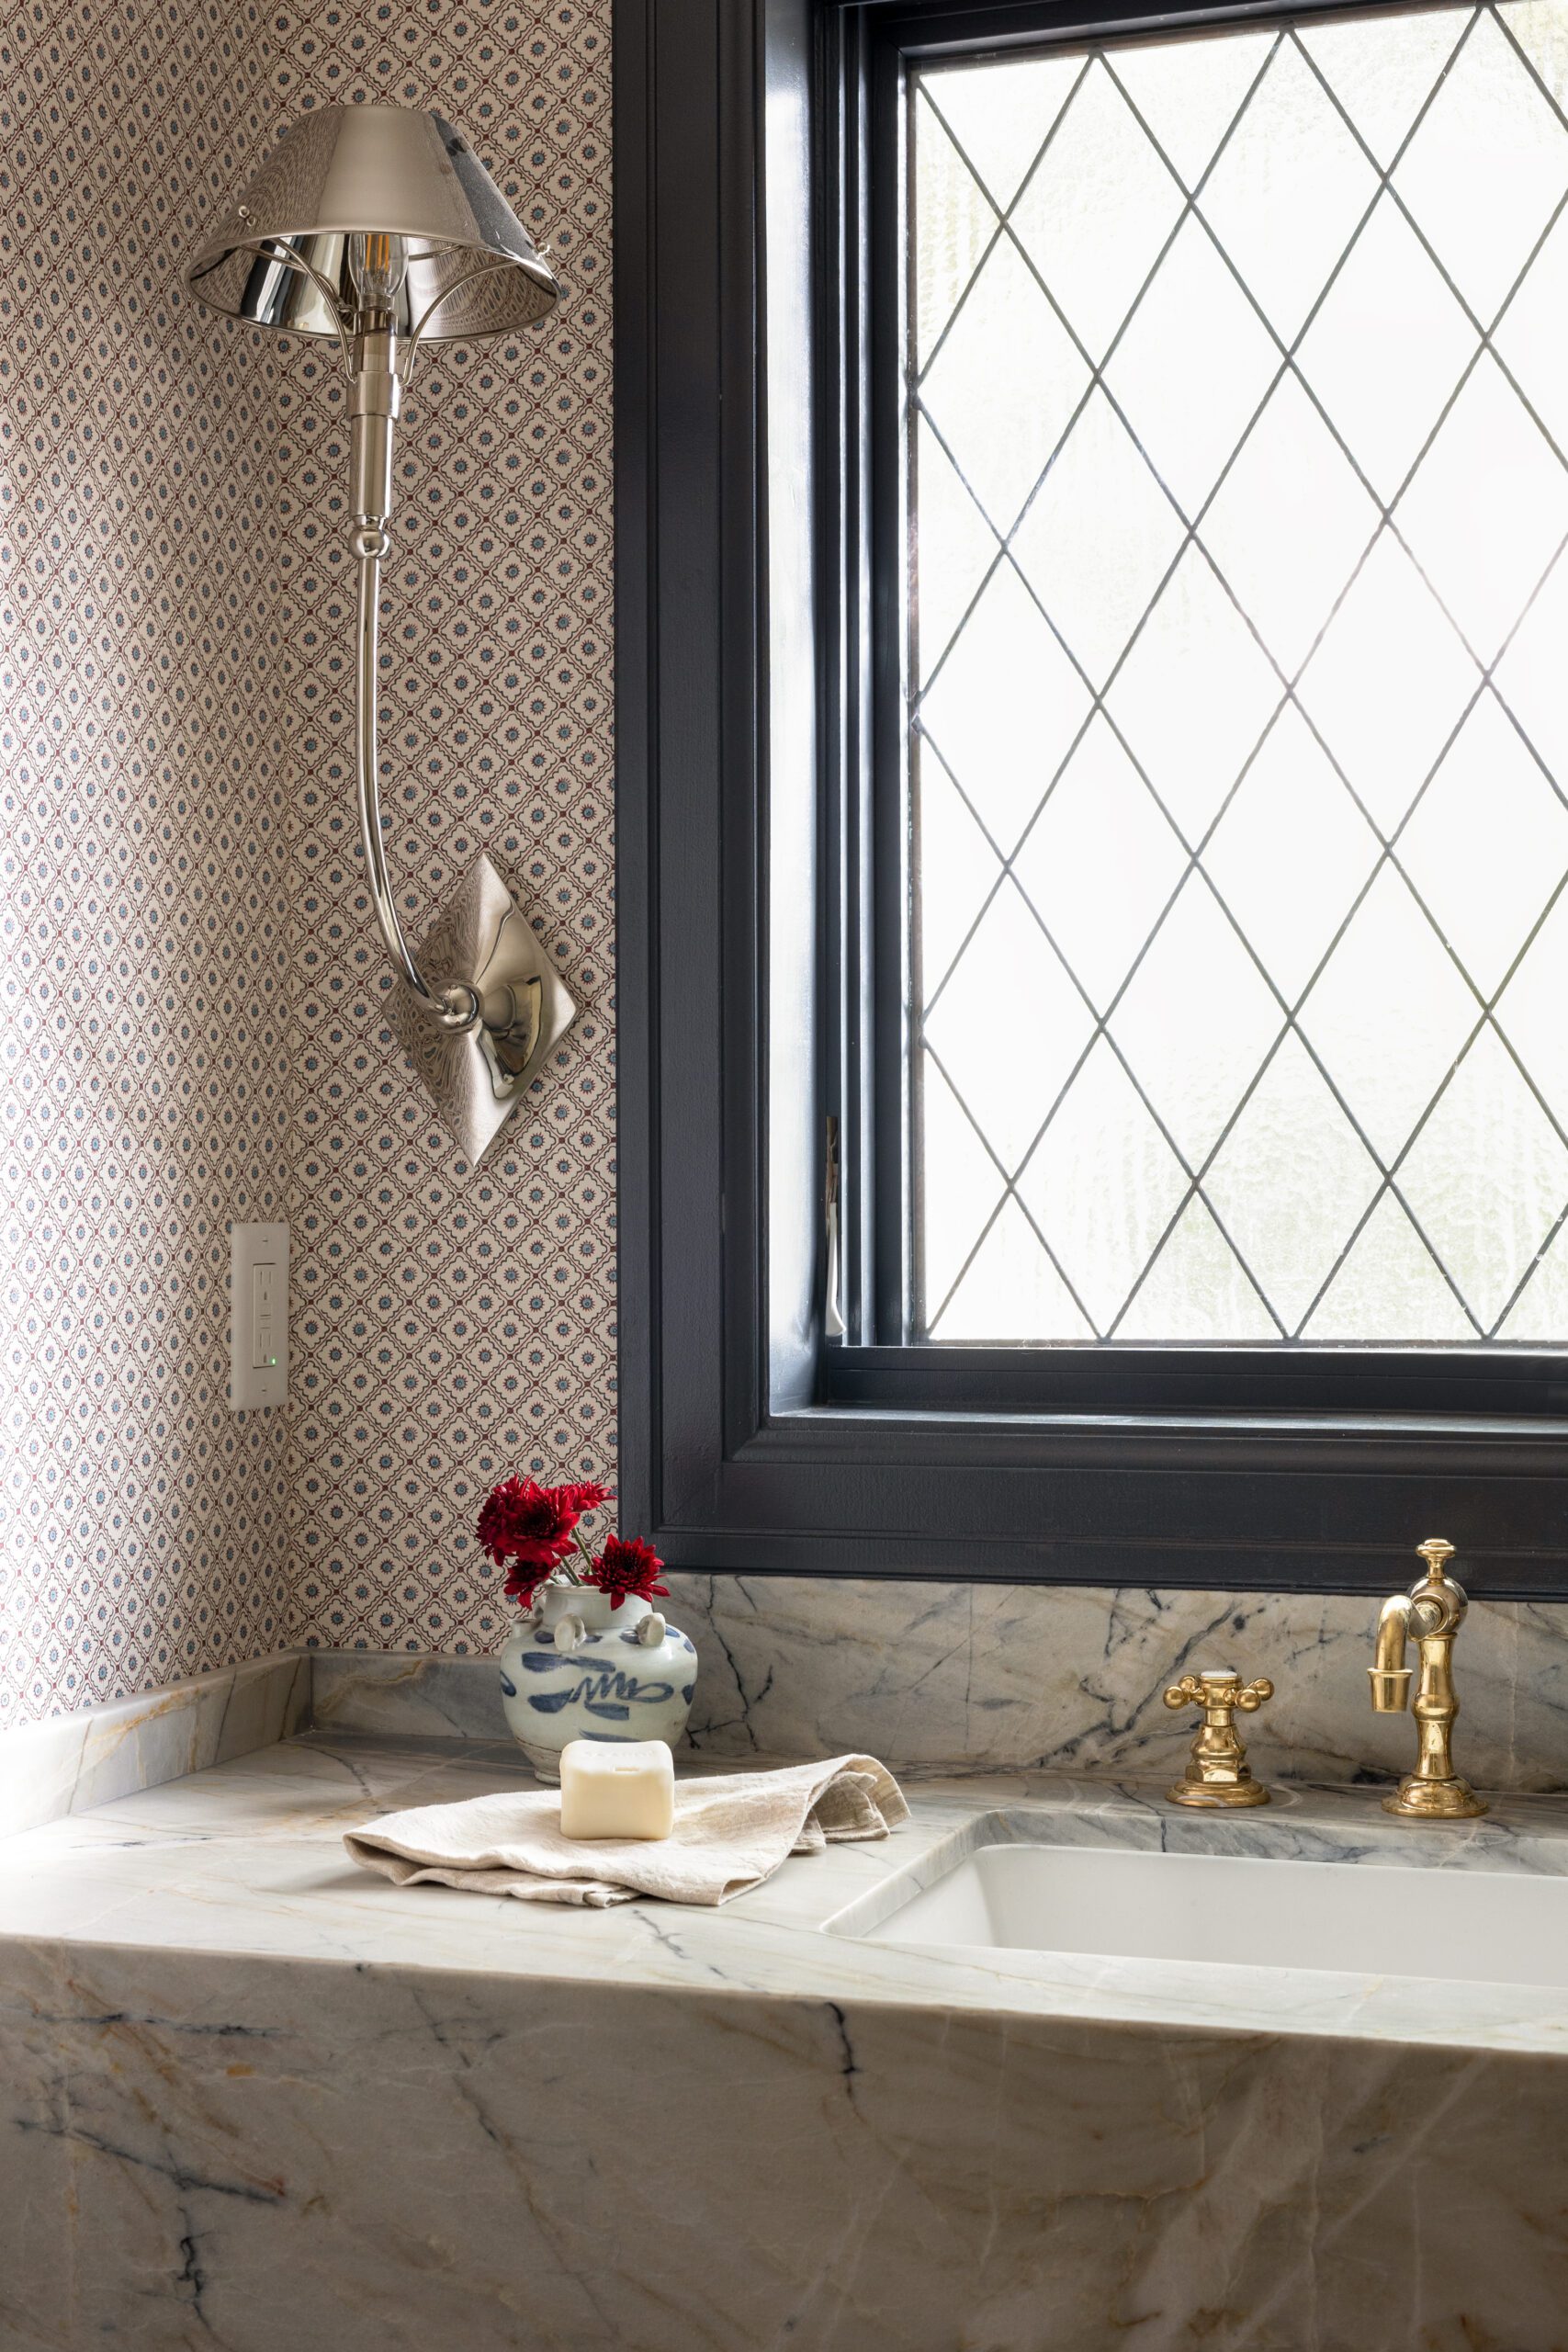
(575, 1668)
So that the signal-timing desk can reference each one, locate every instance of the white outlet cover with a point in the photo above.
(253, 1385)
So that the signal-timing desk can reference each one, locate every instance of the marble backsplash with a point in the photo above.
(985, 1677)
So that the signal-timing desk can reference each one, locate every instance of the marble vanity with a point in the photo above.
(254, 2098)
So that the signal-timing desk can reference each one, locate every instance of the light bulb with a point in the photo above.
(378, 263)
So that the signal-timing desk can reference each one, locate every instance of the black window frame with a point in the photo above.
(751, 312)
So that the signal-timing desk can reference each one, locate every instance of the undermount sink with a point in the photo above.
(1259, 1911)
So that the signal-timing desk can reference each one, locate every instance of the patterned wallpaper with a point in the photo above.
(191, 997)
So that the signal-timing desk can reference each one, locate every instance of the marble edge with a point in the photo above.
(69, 1764)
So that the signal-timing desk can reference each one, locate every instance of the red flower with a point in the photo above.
(627, 1570)
(531, 1526)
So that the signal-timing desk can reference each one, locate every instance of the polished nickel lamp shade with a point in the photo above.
(380, 226)
(385, 171)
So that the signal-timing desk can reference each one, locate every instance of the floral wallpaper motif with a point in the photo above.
(191, 1000)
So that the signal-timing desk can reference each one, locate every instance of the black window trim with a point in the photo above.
(748, 1443)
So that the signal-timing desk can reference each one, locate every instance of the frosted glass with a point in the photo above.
(1196, 1021)
(1005, 707)
(1218, 504)
(1286, 195)
(1101, 865)
(1485, 167)
(1191, 367)
(1290, 1181)
(957, 222)
(1291, 853)
(1008, 1026)
(1098, 539)
(1291, 487)
(1096, 211)
(1389, 682)
(1487, 510)
(1486, 1178)
(1103, 1233)
(1194, 695)
(1389, 1016)
(1002, 422)
(956, 549)
(1387, 348)
(1487, 845)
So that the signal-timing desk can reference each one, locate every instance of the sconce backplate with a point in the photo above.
(477, 1076)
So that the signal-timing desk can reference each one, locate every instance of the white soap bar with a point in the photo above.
(620, 1788)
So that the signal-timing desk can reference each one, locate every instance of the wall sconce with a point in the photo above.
(380, 226)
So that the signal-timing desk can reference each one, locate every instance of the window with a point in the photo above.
(1236, 401)
(1094, 787)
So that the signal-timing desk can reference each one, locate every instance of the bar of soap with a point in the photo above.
(621, 1788)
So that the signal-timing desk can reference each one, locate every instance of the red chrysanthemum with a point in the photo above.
(530, 1527)
(627, 1570)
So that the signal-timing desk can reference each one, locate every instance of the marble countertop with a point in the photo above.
(246, 1859)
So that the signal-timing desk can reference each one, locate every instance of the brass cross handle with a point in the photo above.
(1204, 1691)
(1218, 1773)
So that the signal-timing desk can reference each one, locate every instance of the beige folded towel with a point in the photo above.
(730, 1833)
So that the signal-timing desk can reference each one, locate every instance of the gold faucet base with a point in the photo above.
(1415, 1799)
(1209, 1796)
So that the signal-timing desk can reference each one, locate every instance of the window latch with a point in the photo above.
(832, 1302)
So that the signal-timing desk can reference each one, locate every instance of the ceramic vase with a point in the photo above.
(576, 1668)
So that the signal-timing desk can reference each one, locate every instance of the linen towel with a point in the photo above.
(731, 1832)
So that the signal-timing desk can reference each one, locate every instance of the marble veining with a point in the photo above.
(65, 1764)
(1003, 1677)
(252, 2097)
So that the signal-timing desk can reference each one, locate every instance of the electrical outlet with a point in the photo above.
(258, 1316)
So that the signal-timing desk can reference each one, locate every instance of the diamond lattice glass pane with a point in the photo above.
(1196, 1021)
(955, 549)
(1291, 853)
(1383, 70)
(1291, 486)
(960, 1185)
(1194, 695)
(1104, 1183)
(1008, 1025)
(1388, 1289)
(1097, 210)
(1530, 1010)
(1532, 335)
(1285, 196)
(1001, 115)
(1487, 845)
(956, 224)
(1389, 1016)
(1529, 676)
(1389, 682)
(1386, 349)
(1005, 707)
(1193, 1016)
(1098, 539)
(1002, 422)
(1101, 863)
(1290, 1181)
(1485, 168)
(1197, 1290)
(1487, 509)
(957, 867)
(1486, 1178)
(1011, 1290)
(1191, 367)
(1188, 93)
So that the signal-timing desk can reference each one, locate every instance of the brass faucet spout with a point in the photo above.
(1390, 1675)
(1430, 1614)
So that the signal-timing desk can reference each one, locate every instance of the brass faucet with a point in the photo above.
(1432, 1611)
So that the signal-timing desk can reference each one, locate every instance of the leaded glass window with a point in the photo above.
(1237, 705)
